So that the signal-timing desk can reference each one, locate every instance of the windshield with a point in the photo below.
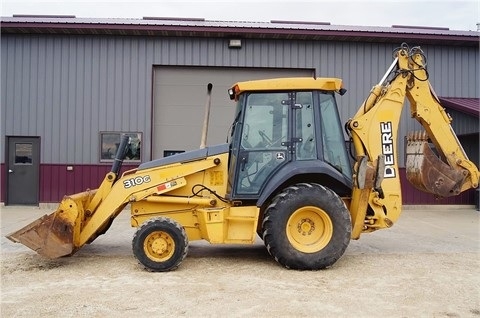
(265, 120)
(334, 151)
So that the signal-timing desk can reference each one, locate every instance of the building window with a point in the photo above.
(109, 142)
(23, 153)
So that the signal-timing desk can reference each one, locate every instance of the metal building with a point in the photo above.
(71, 86)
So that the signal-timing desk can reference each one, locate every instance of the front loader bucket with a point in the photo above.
(53, 235)
(427, 172)
(49, 236)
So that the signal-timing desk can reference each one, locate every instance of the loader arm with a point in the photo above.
(81, 217)
(376, 197)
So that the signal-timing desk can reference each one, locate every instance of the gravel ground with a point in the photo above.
(427, 265)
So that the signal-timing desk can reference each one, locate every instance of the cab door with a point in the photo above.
(263, 145)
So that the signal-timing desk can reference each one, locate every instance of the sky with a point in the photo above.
(453, 14)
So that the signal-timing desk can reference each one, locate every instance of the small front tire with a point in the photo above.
(160, 244)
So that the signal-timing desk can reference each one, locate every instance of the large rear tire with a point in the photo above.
(307, 227)
(160, 244)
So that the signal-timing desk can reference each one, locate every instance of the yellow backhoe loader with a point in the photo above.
(285, 174)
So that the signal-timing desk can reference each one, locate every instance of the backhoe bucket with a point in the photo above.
(53, 235)
(427, 172)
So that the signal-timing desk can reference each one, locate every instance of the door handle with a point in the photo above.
(10, 171)
(243, 162)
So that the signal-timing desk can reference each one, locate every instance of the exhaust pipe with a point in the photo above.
(203, 142)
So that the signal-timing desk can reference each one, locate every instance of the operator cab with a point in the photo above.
(284, 128)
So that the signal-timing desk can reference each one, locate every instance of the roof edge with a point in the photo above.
(470, 106)
(201, 27)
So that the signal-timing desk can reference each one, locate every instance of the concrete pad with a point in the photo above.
(426, 265)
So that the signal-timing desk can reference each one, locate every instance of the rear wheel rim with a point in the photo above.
(309, 229)
(159, 246)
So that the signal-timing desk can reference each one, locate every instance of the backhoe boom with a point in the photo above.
(376, 197)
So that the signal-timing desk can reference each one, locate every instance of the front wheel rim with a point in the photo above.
(159, 246)
(309, 229)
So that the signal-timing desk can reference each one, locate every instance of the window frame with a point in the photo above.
(102, 149)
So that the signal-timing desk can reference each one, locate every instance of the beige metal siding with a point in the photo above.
(179, 103)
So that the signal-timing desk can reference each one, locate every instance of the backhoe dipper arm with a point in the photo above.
(458, 173)
(376, 198)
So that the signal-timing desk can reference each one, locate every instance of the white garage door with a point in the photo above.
(179, 104)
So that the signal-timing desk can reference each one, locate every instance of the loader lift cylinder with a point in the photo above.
(120, 155)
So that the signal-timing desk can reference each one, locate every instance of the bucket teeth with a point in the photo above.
(418, 135)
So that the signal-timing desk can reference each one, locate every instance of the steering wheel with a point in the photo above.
(265, 138)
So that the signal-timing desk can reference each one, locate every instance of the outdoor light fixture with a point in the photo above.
(231, 93)
(235, 43)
